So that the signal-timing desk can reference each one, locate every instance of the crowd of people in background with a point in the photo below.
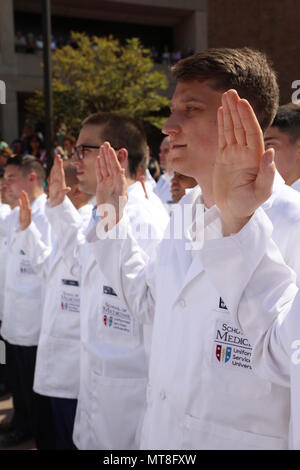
(31, 43)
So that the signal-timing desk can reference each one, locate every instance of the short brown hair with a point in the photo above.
(246, 70)
(28, 164)
(122, 132)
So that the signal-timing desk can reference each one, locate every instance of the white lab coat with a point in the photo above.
(163, 188)
(23, 302)
(4, 213)
(202, 393)
(296, 185)
(150, 182)
(57, 362)
(113, 362)
(264, 302)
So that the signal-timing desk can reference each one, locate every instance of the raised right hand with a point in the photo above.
(57, 183)
(25, 217)
(111, 192)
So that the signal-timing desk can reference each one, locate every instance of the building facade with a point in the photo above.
(186, 25)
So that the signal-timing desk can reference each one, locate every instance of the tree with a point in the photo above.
(100, 74)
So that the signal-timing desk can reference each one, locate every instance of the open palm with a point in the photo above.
(25, 216)
(57, 184)
(244, 172)
(111, 193)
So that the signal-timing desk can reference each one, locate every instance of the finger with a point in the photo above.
(102, 162)
(98, 170)
(26, 201)
(66, 190)
(254, 135)
(265, 178)
(114, 162)
(238, 129)
(228, 122)
(108, 150)
(221, 136)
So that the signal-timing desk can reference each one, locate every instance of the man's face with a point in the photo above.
(86, 168)
(192, 127)
(15, 182)
(285, 152)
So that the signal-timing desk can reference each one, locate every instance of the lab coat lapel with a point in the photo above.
(188, 250)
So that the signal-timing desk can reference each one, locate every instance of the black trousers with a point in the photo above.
(64, 410)
(32, 412)
(3, 367)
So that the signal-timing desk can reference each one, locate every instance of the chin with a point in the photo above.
(182, 168)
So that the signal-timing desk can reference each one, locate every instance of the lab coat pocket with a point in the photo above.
(117, 412)
(28, 317)
(198, 434)
(229, 360)
(57, 367)
(116, 325)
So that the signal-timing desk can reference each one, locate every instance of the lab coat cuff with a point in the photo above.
(29, 235)
(65, 213)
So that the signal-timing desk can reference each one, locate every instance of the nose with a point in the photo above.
(171, 126)
(76, 164)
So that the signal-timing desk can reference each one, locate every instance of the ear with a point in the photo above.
(122, 155)
(32, 177)
(297, 145)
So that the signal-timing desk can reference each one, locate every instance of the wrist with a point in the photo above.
(53, 202)
(232, 225)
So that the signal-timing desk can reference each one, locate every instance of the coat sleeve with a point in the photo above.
(292, 256)
(67, 226)
(4, 223)
(260, 292)
(128, 268)
(31, 242)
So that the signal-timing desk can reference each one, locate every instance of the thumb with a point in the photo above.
(265, 178)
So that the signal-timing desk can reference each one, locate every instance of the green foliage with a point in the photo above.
(102, 75)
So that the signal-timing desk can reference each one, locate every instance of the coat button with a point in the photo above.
(182, 303)
(163, 395)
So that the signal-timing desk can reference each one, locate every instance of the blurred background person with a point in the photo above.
(69, 144)
(5, 153)
(17, 147)
(179, 184)
(284, 136)
(36, 147)
(163, 186)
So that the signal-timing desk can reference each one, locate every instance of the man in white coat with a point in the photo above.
(4, 213)
(263, 299)
(284, 137)
(58, 353)
(200, 395)
(113, 357)
(22, 312)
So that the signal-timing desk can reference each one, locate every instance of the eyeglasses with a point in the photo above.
(79, 151)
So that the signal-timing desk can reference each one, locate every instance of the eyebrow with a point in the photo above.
(266, 139)
(190, 99)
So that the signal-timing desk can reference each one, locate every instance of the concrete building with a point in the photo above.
(22, 74)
